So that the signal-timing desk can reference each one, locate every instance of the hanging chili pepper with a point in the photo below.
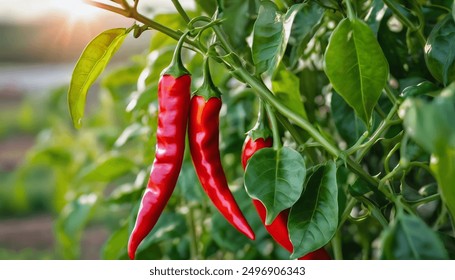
(173, 97)
(203, 134)
(257, 138)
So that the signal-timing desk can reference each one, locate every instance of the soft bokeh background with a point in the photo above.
(40, 42)
(74, 194)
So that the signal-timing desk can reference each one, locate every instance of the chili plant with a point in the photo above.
(358, 97)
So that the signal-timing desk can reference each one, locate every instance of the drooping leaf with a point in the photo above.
(409, 238)
(356, 66)
(440, 51)
(276, 178)
(90, 65)
(313, 220)
(271, 34)
(286, 87)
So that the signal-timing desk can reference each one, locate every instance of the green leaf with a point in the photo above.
(356, 66)
(409, 238)
(375, 11)
(440, 51)
(107, 169)
(238, 20)
(305, 24)
(313, 220)
(71, 222)
(275, 177)
(115, 248)
(347, 123)
(430, 124)
(422, 88)
(90, 65)
(208, 6)
(121, 82)
(286, 87)
(443, 167)
(271, 34)
(169, 226)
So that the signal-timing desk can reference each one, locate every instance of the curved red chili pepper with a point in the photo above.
(173, 98)
(278, 229)
(203, 136)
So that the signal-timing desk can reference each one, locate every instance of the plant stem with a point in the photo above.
(268, 96)
(107, 7)
(351, 13)
(274, 125)
(181, 11)
(336, 245)
(404, 20)
(390, 94)
(132, 13)
(385, 124)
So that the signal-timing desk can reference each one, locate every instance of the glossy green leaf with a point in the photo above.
(286, 87)
(356, 66)
(422, 88)
(90, 65)
(409, 238)
(276, 178)
(107, 169)
(271, 34)
(440, 51)
(313, 220)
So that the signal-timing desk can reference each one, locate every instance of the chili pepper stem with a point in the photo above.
(176, 68)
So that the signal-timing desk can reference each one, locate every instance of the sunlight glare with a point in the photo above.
(76, 10)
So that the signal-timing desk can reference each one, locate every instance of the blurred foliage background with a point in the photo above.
(68, 194)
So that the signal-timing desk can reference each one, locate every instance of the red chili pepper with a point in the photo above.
(203, 134)
(173, 97)
(278, 229)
